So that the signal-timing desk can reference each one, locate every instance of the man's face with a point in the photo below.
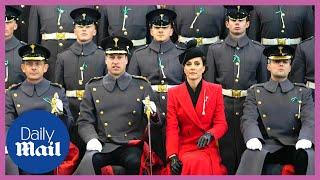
(10, 27)
(34, 70)
(279, 69)
(116, 64)
(84, 33)
(237, 26)
(161, 33)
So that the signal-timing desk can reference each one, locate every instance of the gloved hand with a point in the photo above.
(254, 144)
(6, 150)
(59, 107)
(175, 165)
(204, 140)
(303, 144)
(94, 145)
(152, 105)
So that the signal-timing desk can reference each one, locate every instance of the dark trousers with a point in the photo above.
(289, 155)
(127, 156)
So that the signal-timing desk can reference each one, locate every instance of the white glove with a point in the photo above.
(59, 106)
(94, 145)
(152, 105)
(6, 150)
(254, 144)
(303, 144)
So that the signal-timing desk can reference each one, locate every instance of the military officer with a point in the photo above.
(13, 73)
(303, 64)
(112, 113)
(236, 63)
(159, 63)
(278, 119)
(51, 26)
(22, 32)
(126, 21)
(35, 92)
(79, 63)
(205, 23)
(281, 25)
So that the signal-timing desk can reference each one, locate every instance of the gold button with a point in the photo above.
(97, 7)
(129, 123)
(60, 44)
(79, 113)
(22, 22)
(22, 6)
(94, 89)
(125, 135)
(138, 99)
(97, 101)
(15, 94)
(163, 97)
(125, 33)
(268, 128)
(134, 112)
(300, 89)
(293, 128)
(141, 87)
(162, 81)
(258, 90)
(101, 112)
(296, 115)
(163, 114)
(259, 102)
(236, 80)
(60, 27)
(237, 113)
(263, 115)
(18, 105)
(282, 31)
(109, 135)
(79, 98)
(105, 124)
(197, 30)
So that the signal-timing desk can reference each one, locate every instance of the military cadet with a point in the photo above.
(22, 32)
(281, 25)
(159, 63)
(278, 120)
(303, 64)
(82, 61)
(204, 23)
(13, 73)
(126, 21)
(35, 92)
(236, 63)
(112, 113)
(51, 26)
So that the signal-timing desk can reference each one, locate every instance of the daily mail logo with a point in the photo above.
(37, 142)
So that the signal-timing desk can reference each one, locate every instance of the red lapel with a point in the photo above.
(185, 100)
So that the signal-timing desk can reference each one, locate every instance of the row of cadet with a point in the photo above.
(236, 63)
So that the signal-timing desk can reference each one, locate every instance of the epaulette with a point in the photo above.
(141, 48)
(218, 42)
(23, 43)
(14, 86)
(99, 47)
(257, 43)
(94, 79)
(56, 84)
(180, 47)
(256, 85)
(300, 84)
(309, 38)
(141, 77)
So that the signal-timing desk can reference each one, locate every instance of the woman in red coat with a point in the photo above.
(195, 121)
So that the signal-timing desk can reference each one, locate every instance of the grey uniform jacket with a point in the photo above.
(13, 62)
(272, 114)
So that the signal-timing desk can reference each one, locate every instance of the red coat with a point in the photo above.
(185, 125)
